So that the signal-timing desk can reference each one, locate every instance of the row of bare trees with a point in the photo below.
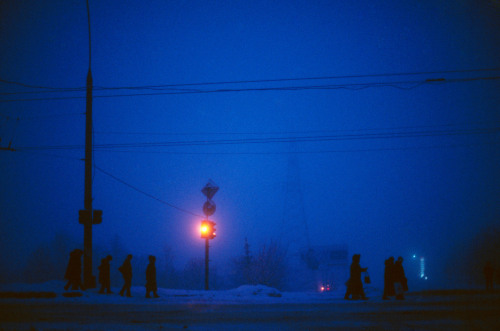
(268, 267)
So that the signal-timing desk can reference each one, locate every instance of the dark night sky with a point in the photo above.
(393, 166)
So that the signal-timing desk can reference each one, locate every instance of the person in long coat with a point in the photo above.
(354, 284)
(126, 270)
(400, 281)
(151, 278)
(105, 275)
(74, 270)
(389, 279)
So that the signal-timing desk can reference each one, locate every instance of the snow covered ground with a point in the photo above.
(248, 294)
(244, 308)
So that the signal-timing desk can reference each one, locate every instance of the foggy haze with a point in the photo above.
(365, 124)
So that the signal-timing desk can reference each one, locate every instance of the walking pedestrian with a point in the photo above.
(151, 278)
(354, 284)
(126, 271)
(74, 270)
(105, 275)
(400, 281)
(389, 279)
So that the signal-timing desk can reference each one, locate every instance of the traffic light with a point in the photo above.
(212, 231)
(207, 229)
(204, 229)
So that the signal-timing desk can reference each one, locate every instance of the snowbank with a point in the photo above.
(241, 295)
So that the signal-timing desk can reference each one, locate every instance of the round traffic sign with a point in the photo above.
(209, 208)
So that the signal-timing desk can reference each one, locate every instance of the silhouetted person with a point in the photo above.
(354, 284)
(488, 271)
(126, 270)
(400, 281)
(105, 275)
(151, 278)
(74, 270)
(389, 279)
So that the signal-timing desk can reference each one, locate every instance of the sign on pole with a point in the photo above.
(209, 208)
(210, 189)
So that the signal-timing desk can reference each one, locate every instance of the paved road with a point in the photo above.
(442, 313)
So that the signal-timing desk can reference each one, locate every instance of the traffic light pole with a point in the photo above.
(208, 227)
(206, 264)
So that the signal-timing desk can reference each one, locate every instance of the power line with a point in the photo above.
(145, 193)
(352, 86)
(361, 150)
(314, 78)
(408, 148)
(272, 140)
(115, 178)
(50, 155)
(252, 133)
(260, 80)
(44, 92)
(39, 86)
(355, 87)
(33, 118)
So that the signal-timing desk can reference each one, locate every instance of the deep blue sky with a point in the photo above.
(379, 196)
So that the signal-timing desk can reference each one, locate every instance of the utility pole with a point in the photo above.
(87, 216)
(88, 278)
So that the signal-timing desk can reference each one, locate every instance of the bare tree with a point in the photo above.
(49, 260)
(168, 277)
(269, 267)
(193, 274)
(242, 267)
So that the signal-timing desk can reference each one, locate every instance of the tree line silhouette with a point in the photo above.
(268, 266)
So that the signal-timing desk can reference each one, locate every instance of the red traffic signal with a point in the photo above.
(207, 229)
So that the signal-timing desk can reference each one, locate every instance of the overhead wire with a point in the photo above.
(357, 86)
(272, 140)
(407, 148)
(145, 193)
(250, 133)
(200, 216)
(33, 118)
(49, 155)
(38, 86)
(173, 89)
(118, 180)
(279, 80)
(392, 74)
